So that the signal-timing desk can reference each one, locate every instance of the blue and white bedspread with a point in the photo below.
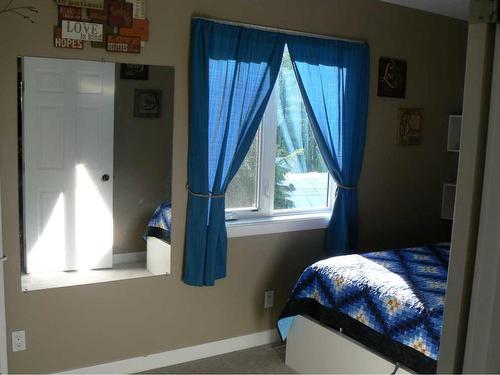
(397, 293)
(160, 223)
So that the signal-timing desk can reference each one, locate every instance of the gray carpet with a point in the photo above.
(266, 359)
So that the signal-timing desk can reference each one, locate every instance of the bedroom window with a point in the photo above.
(284, 173)
(242, 193)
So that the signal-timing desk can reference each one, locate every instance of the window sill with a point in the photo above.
(277, 224)
(59, 279)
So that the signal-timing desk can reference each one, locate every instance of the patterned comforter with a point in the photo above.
(160, 223)
(397, 293)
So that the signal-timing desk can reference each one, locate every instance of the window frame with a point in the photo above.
(266, 179)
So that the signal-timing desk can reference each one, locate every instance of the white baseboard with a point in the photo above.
(121, 258)
(173, 357)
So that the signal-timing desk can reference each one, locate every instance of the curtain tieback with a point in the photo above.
(204, 195)
(346, 187)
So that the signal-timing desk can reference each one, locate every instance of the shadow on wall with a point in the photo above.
(288, 252)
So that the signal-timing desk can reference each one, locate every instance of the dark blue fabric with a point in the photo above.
(159, 225)
(398, 293)
(233, 71)
(334, 78)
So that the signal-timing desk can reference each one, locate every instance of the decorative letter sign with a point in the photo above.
(92, 4)
(140, 28)
(92, 32)
(120, 14)
(60, 42)
(116, 25)
(126, 44)
(139, 8)
(70, 13)
(97, 15)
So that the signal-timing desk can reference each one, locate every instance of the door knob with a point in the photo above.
(105, 177)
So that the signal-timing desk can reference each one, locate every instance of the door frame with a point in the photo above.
(3, 325)
(483, 343)
(476, 104)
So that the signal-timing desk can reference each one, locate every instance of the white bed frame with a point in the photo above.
(314, 348)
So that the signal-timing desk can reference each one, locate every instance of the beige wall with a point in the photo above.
(400, 187)
(142, 158)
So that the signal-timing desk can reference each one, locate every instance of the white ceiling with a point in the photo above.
(451, 8)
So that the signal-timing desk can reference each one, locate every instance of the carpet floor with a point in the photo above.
(266, 359)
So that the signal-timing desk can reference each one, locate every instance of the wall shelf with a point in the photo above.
(448, 201)
(454, 130)
(452, 145)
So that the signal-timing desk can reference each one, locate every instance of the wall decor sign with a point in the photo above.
(116, 25)
(120, 13)
(140, 28)
(61, 42)
(98, 15)
(126, 44)
(134, 71)
(410, 122)
(147, 103)
(139, 8)
(108, 30)
(391, 78)
(91, 4)
(69, 13)
(89, 31)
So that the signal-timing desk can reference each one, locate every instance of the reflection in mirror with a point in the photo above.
(96, 142)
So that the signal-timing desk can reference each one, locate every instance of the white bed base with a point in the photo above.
(158, 256)
(314, 348)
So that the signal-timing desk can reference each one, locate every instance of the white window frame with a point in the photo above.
(264, 219)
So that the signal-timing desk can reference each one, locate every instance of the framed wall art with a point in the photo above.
(134, 71)
(409, 128)
(391, 78)
(147, 103)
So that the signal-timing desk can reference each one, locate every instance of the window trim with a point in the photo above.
(277, 224)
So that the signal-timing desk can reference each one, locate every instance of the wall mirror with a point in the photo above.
(95, 142)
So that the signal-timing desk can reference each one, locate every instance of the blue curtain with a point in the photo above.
(334, 77)
(233, 71)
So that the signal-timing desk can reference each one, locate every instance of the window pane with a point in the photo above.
(242, 191)
(301, 177)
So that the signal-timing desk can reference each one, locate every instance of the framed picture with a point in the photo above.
(147, 103)
(410, 122)
(391, 78)
(134, 71)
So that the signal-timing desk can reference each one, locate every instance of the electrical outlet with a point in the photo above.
(268, 299)
(18, 341)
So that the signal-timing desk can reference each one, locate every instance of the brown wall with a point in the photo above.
(142, 158)
(400, 187)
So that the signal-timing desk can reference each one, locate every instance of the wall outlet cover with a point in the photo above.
(268, 299)
(18, 341)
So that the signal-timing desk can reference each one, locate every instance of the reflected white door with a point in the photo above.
(68, 117)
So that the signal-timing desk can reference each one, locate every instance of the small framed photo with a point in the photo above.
(410, 123)
(391, 78)
(134, 71)
(147, 103)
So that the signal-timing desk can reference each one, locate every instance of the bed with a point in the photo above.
(157, 237)
(388, 301)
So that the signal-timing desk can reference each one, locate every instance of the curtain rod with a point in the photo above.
(275, 29)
